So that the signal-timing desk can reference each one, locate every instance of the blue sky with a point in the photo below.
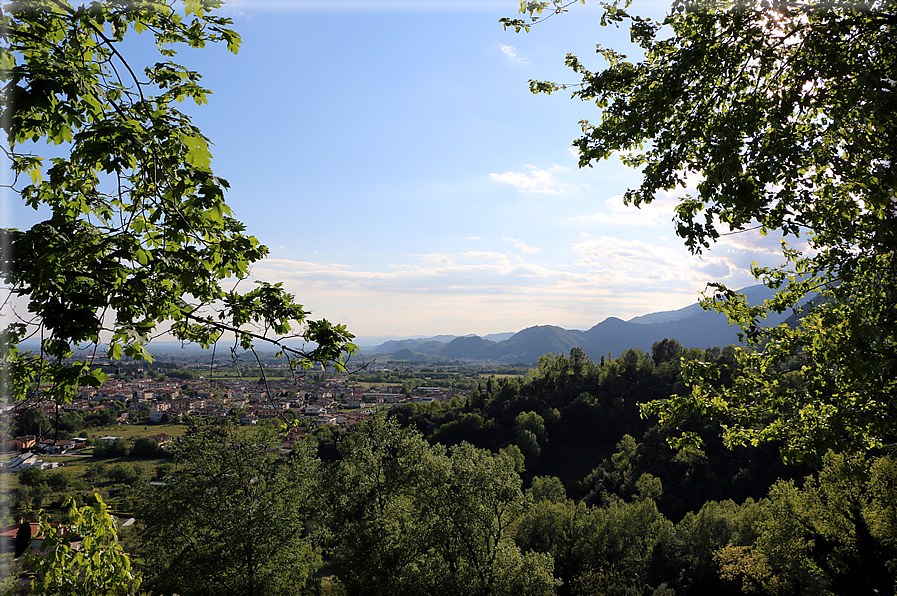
(407, 183)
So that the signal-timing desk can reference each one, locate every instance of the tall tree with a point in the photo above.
(139, 235)
(410, 518)
(230, 518)
(784, 114)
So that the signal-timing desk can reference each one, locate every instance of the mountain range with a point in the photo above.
(692, 326)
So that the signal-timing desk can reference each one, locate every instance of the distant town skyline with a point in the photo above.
(407, 183)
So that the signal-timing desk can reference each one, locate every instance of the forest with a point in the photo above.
(554, 483)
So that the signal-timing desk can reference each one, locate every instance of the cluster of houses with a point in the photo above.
(331, 401)
(28, 449)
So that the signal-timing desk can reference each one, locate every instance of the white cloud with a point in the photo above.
(472, 292)
(637, 262)
(539, 181)
(660, 211)
(302, 265)
(484, 254)
(511, 53)
(522, 246)
(487, 291)
(438, 259)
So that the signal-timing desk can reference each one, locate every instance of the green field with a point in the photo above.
(134, 431)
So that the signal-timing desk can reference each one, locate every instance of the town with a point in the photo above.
(140, 393)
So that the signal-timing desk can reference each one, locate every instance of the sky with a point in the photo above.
(407, 183)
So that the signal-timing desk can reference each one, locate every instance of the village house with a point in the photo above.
(28, 460)
(9, 533)
(22, 443)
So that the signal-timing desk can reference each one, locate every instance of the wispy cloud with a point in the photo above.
(522, 246)
(538, 180)
(511, 53)
(634, 261)
(488, 291)
(658, 212)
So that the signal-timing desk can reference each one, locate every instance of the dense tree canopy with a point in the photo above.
(410, 518)
(139, 236)
(784, 114)
(230, 517)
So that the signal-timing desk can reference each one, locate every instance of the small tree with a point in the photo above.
(99, 566)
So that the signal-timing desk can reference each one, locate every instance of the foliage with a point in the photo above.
(96, 567)
(783, 113)
(108, 449)
(831, 536)
(547, 488)
(147, 448)
(138, 236)
(577, 413)
(716, 526)
(231, 516)
(31, 476)
(620, 549)
(30, 421)
(408, 518)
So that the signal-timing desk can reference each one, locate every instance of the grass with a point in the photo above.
(134, 431)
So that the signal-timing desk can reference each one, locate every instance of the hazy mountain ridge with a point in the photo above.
(691, 326)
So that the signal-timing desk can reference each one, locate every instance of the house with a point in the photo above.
(22, 443)
(161, 439)
(21, 461)
(9, 533)
(8, 536)
(51, 446)
(28, 460)
(143, 396)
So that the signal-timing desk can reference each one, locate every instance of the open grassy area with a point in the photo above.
(80, 477)
(134, 431)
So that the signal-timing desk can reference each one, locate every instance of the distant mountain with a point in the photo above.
(424, 346)
(668, 316)
(754, 294)
(465, 347)
(691, 326)
(428, 345)
(531, 343)
(500, 336)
